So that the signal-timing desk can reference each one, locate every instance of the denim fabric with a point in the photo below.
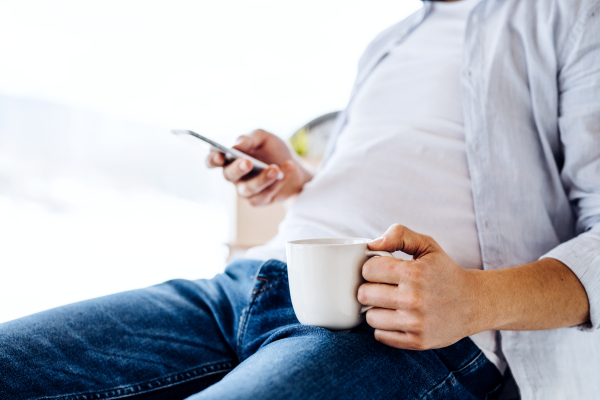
(232, 337)
(530, 92)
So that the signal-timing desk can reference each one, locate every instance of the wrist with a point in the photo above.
(305, 171)
(484, 313)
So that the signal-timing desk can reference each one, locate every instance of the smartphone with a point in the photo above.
(229, 153)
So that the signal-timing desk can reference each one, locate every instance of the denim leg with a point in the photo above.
(282, 359)
(180, 338)
(166, 341)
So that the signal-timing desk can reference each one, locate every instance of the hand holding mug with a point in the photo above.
(426, 303)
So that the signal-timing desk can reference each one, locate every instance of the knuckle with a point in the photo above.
(232, 172)
(209, 160)
(362, 295)
(259, 134)
(264, 179)
(227, 174)
(370, 317)
(398, 229)
(241, 139)
(392, 265)
(242, 190)
(415, 273)
(429, 240)
(257, 201)
(414, 302)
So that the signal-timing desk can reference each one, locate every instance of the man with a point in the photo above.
(474, 122)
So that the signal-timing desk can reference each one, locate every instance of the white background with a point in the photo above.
(95, 196)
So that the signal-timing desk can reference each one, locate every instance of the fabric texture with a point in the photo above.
(233, 337)
(530, 82)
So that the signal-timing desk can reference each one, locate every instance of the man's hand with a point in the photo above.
(432, 302)
(421, 304)
(263, 188)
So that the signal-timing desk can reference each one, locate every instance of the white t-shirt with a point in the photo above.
(401, 158)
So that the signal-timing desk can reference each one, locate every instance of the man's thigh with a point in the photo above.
(166, 341)
(282, 359)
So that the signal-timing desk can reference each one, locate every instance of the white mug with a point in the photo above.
(324, 277)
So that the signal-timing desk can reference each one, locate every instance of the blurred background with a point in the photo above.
(96, 196)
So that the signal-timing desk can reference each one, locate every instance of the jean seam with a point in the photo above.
(261, 286)
(239, 343)
(494, 390)
(426, 394)
(210, 369)
(474, 363)
(242, 328)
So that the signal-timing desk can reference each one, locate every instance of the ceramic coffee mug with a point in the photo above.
(324, 276)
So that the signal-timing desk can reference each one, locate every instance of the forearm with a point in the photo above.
(544, 294)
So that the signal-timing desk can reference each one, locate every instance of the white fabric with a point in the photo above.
(401, 158)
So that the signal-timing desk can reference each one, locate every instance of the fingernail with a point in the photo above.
(272, 173)
(244, 166)
(376, 241)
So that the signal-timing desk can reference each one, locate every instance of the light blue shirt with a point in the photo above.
(531, 101)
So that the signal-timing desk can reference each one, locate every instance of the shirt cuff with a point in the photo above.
(582, 255)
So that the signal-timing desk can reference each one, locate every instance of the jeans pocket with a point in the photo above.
(270, 274)
(269, 308)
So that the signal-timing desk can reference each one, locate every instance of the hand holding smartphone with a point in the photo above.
(229, 153)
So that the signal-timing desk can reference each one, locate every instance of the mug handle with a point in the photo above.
(372, 253)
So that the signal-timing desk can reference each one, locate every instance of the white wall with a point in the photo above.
(95, 195)
(222, 66)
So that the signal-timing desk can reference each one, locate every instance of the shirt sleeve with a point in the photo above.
(579, 124)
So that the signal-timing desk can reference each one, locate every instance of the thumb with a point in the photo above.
(245, 144)
(400, 238)
(251, 142)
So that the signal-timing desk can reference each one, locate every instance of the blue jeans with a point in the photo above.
(232, 337)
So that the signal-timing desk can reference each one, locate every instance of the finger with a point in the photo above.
(237, 170)
(250, 143)
(273, 192)
(400, 238)
(383, 270)
(266, 196)
(260, 182)
(379, 295)
(391, 320)
(215, 159)
(400, 340)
